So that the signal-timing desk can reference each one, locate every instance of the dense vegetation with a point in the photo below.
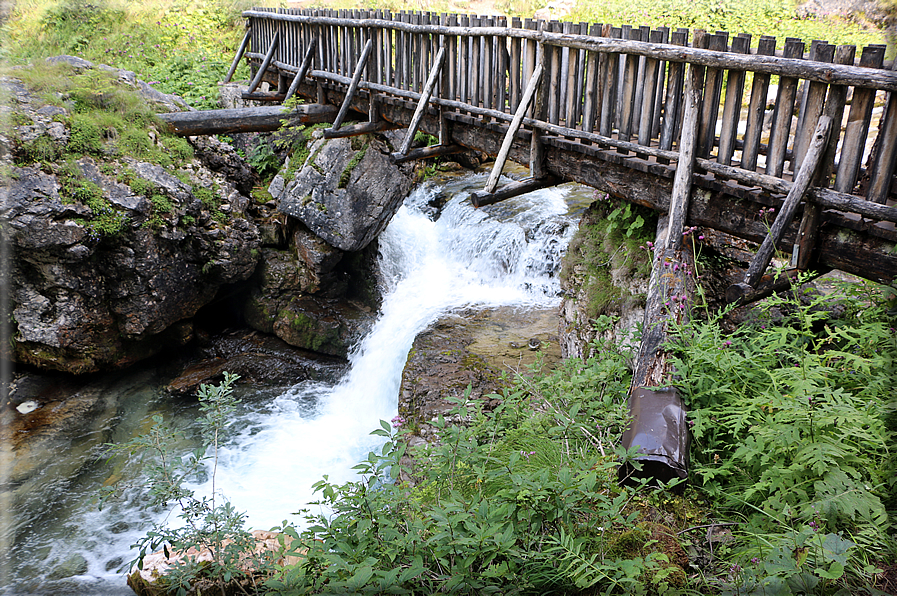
(792, 490)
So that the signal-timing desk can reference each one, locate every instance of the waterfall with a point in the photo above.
(432, 263)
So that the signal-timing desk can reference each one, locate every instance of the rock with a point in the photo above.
(321, 325)
(346, 192)
(260, 360)
(223, 158)
(101, 277)
(614, 287)
(473, 349)
(146, 581)
(76, 564)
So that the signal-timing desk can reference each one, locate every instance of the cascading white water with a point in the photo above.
(506, 254)
(502, 256)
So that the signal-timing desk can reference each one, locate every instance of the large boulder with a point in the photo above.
(346, 191)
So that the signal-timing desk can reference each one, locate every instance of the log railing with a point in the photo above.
(619, 90)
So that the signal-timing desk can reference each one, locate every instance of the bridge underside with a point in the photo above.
(845, 242)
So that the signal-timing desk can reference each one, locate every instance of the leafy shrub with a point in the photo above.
(790, 434)
(211, 524)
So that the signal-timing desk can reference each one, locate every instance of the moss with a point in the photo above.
(610, 237)
(347, 172)
(310, 334)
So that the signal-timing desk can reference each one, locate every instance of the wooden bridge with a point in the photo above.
(709, 129)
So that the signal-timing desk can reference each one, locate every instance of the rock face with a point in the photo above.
(82, 302)
(603, 278)
(472, 348)
(346, 192)
(120, 233)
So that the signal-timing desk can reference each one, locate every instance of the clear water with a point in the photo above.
(279, 445)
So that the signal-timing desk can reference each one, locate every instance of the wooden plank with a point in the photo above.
(513, 189)
(353, 86)
(388, 45)
(424, 101)
(426, 153)
(359, 129)
(475, 64)
(658, 100)
(813, 104)
(883, 165)
(257, 119)
(303, 69)
(563, 77)
(590, 108)
(272, 49)
(515, 87)
(713, 88)
(540, 110)
(502, 157)
(529, 57)
(784, 111)
(553, 77)
(464, 65)
(688, 146)
(574, 85)
(627, 98)
(858, 121)
(417, 55)
(502, 59)
(452, 60)
(673, 103)
(732, 106)
(757, 108)
(649, 97)
(804, 247)
(608, 79)
(670, 289)
(786, 212)
(644, 35)
(488, 67)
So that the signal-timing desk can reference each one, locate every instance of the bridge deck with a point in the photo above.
(611, 108)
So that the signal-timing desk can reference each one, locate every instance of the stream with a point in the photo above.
(55, 540)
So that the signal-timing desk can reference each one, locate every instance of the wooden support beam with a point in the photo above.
(768, 285)
(482, 198)
(359, 129)
(786, 213)
(353, 87)
(688, 146)
(303, 69)
(240, 51)
(268, 97)
(426, 152)
(522, 107)
(423, 101)
(265, 63)
(260, 119)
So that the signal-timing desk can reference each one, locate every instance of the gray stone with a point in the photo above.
(347, 191)
(73, 61)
